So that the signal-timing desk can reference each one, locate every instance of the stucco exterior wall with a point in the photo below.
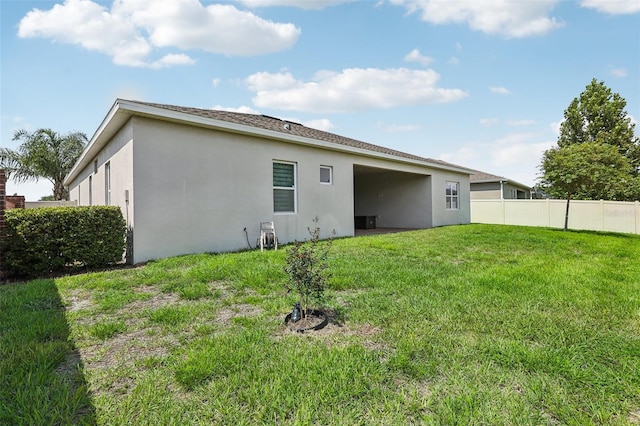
(396, 199)
(119, 154)
(441, 215)
(195, 189)
(491, 191)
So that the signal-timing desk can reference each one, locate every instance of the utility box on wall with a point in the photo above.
(365, 222)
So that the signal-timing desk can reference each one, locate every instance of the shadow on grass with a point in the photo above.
(40, 369)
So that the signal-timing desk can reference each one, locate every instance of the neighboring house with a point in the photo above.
(194, 180)
(485, 186)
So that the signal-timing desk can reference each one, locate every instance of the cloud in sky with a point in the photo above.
(613, 7)
(301, 4)
(132, 30)
(515, 156)
(499, 90)
(486, 122)
(397, 128)
(352, 89)
(512, 19)
(416, 56)
(619, 72)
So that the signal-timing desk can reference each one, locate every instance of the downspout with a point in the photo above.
(502, 190)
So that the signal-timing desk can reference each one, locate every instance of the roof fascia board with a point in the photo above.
(149, 110)
(122, 110)
(94, 146)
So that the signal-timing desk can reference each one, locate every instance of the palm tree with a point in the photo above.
(43, 154)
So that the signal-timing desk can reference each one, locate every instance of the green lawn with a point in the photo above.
(474, 324)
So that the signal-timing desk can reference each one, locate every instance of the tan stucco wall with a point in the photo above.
(485, 195)
(396, 199)
(194, 189)
(119, 154)
(491, 191)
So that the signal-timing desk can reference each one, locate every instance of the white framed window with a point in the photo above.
(90, 190)
(284, 187)
(452, 196)
(107, 184)
(326, 175)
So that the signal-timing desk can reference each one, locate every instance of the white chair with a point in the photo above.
(268, 236)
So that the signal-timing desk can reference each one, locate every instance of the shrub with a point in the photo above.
(43, 240)
(306, 266)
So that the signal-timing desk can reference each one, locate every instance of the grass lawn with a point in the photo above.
(475, 324)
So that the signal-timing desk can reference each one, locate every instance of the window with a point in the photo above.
(284, 187)
(107, 184)
(326, 175)
(452, 195)
(90, 190)
(95, 166)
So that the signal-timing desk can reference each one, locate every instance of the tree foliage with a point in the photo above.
(586, 171)
(43, 154)
(598, 115)
(598, 154)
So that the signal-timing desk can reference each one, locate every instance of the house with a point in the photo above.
(485, 186)
(194, 180)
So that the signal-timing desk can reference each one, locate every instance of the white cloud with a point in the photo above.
(215, 82)
(453, 60)
(171, 60)
(301, 4)
(486, 122)
(243, 109)
(499, 90)
(352, 89)
(515, 156)
(509, 18)
(133, 30)
(613, 7)
(555, 127)
(320, 124)
(619, 72)
(416, 56)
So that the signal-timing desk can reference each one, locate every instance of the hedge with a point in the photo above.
(44, 240)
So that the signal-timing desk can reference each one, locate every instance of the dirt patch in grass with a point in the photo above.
(78, 300)
(127, 348)
(154, 302)
(225, 315)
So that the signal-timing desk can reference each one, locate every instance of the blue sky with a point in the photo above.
(481, 84)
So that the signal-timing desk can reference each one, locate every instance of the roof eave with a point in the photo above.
(123, 110)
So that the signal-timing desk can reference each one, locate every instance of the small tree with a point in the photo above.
(306, 266)
(43, 154)
(586, 171)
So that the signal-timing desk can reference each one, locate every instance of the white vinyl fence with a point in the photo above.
(610, 216)
(38, 204)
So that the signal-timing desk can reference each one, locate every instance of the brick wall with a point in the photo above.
(14, 202)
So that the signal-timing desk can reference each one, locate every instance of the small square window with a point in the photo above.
(326, 175)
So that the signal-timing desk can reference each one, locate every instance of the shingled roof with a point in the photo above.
(291, 128)
(484, 177)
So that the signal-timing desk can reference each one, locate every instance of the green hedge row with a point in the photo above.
(43, 240)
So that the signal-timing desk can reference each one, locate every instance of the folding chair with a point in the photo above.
(268, 236)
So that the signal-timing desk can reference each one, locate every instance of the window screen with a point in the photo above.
(284, 187)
